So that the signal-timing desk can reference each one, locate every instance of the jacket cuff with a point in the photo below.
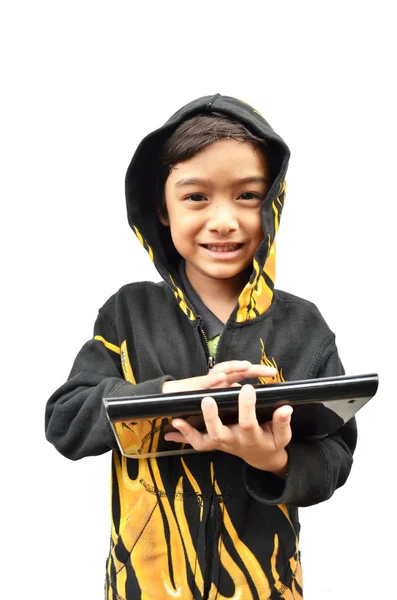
(152, 386)
(308, 475)
(263, 486)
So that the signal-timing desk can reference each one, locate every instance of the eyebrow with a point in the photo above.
(207, 182)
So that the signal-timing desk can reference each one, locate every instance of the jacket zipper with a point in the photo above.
(209, 553)
(210, 525)
(210, 359)
(209, 529)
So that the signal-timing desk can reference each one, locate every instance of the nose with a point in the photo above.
(223, 219)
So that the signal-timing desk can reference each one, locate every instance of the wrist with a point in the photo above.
(282, 473)
(280, 469)
(278, 466)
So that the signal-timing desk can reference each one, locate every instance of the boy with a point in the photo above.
(205, 194)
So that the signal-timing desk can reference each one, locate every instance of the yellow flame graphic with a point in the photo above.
(143, 507)
(278, 378)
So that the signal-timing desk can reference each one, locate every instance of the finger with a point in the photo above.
(260, 371)
(228, 373)
(214, 379)
(220, 379)
(189, 435)
(281, 426)
(183, 428)
(244, 368)
(246, 409)
(216, 430)
(227, 376)
(174, 436)
(231, 366)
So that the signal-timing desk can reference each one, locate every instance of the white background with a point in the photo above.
(82, 83)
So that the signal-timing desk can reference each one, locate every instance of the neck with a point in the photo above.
(219, 295)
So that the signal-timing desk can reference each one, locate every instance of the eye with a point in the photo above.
(251, 196)
(195, 197)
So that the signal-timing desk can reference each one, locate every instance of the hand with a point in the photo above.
(261, 446)
(225, 374)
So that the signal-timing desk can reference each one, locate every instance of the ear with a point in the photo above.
(163, 217)
(161, 206)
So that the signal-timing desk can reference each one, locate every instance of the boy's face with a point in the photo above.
(213, 202)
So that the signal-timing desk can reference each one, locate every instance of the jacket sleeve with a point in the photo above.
(316, 468)
(75, 418)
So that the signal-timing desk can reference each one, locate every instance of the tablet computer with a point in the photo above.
(321, 407)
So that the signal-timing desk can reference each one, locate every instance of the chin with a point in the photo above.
(225, 275)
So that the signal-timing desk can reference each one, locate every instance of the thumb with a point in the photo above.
(281, 426)
(282, 415)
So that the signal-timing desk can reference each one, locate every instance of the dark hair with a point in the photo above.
(194, 135)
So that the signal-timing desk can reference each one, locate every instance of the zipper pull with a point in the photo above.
(211, 359)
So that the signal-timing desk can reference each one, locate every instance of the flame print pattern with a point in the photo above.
(278, 378)
(144, 243)
(181, 300)
(257, 295)
(160, 536)
(177, 290)
(153, 546)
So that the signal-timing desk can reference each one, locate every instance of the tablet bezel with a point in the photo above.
(321, 406)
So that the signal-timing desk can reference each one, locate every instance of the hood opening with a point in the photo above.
(142, 179)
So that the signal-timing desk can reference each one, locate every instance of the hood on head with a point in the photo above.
(141, 190)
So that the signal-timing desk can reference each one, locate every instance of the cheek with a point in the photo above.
(256, 228)
(184, 221)
(183, 230)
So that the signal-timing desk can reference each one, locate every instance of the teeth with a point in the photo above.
(223, 248)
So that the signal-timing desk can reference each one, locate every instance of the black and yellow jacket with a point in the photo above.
(201, 525)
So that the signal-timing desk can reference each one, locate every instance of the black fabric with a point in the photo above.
(211, 324)
(299, 341)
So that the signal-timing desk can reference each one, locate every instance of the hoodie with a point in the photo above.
(202, 525)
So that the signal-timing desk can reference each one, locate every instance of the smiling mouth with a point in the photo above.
(222, 248)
